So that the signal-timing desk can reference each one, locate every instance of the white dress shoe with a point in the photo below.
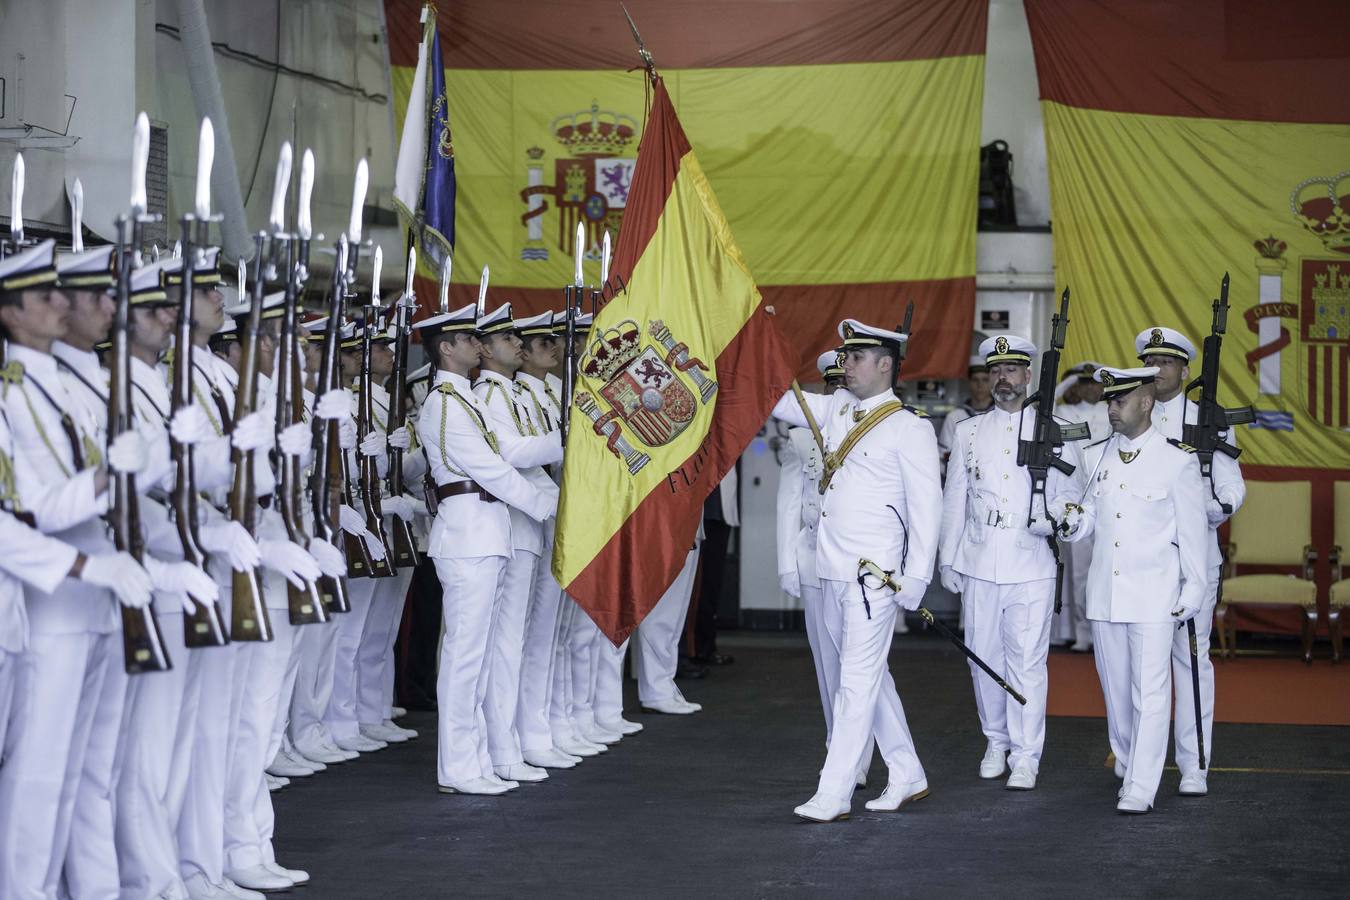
(897, 794)
(621, 725)
(479, 786)
(520, 772)
(359, 744)
(861, 780)
(550, 759)
(1133, 805)
(408, 733)
(397, 712)
(381, 734)
(821, 808)
(332, 747)
(198, 888)
(672, 707)
(234, 891)
(1023, 778)
(259, 878)
(273, 782)
(597, 735)
(1194, 784)
(994, 763)
(577, 748)
(297, 876)
(290, 754)
(282, 766)
(319, 753)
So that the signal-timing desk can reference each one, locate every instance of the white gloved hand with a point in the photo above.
(329, 558)
(952, 580)
(351, 521)
(1184, 612)
(911, 593)
(121, 574)
(347, 433)
(1040, 526)
(185, 579)
(336, 404)
(398, 506)
(128, 453)
(1214, 513)
(232, 540)
(291, 560)
(375, 547)
(191, 425)
(1072, 521)
(375, 443)
(399, 438)
(419, 505)
(294, 440)
(253, 432)
(790, 583)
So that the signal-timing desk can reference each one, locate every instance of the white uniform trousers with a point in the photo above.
(314, 682)
(607, 707)
(659, 634)
(147, 851)
(826, 619)
(1008, 626)
(505, 657)
(581, 637)
(866, 701)
(201, 827)
(561, 692)
(536, 667)
(1077, 562)
(375, 656)
(340, 719)
(12, 705)
(470, 591)
(282, 718)
(1183, 729)
(1135, 669)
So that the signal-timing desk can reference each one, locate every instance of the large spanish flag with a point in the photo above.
(680, 371)
(842, 137)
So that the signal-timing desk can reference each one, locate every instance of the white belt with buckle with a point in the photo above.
(997, 519)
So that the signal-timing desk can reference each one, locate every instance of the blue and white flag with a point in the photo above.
(424, 176)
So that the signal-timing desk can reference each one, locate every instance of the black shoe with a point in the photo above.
(688, 670)
(714, 659)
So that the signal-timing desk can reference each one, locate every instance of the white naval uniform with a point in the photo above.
(60, 764)
(1146, 521)
(542, 619)
(1231, 489)
(1008, 572)
(883, 504)
(657, 655)
(1073, 625)
(947, 435)
(470, 544)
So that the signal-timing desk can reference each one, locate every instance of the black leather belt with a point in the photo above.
(24, 517)
(463, 487)
(265, 502)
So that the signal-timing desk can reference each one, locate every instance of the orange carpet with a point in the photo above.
(1262, 691)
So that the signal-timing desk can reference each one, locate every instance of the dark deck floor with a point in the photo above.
(702, 806)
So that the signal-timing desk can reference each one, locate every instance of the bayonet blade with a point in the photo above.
(482, 292)
(178, 249)
(408, 276)
(358, 201)
(376, 268)
(206, 157)
(140, 154)
(445, 285)
(241, 273)
(279, 187)
(341, 261)
(16, 201)
(580, 252)
(77, 217)
(605, 254)
(303, 224)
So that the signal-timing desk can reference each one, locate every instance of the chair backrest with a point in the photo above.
(1341, 514)
(1274, 524)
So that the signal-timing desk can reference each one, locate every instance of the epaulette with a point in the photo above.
(12, 373)
(445, 387)
(918, 412)
(1180, 446)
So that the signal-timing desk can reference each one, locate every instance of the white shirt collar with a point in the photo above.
(873, 402)
(459, 382)
(35, 362)
(83, 361)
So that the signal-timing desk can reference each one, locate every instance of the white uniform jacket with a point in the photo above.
(462, 444)
(1229, 484)
(1146, 519)
(799, 507)
(885, 502)
(987, 499)
(508, 406)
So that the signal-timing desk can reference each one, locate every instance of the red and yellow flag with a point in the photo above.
(679, 372)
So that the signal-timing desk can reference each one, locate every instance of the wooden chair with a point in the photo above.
(1340, 586)
(1273, 528)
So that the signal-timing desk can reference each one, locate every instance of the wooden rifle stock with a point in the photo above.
(248, 616)
(368, 469)
(142, 643)
(404, 544)
(328, 453)
(205, 627)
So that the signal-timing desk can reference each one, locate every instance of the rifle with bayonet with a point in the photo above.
(303, 604)
(404, 545)
(368, 466)
(327, 447)
(204, 626)
(1044, 451)
(142, 643)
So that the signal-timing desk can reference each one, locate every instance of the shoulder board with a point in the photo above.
(12, 373)
(445, 387)
(1180, 446)
(918, 412)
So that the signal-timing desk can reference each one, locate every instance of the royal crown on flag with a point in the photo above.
(611, 350)
(1322, 205)
(595, 132)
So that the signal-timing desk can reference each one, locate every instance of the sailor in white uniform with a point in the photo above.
(1079, 399)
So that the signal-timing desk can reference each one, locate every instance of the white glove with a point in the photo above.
(347, 433)
(185, 579)
(1183, 612)
(351, 521)
(336, 404)
(398, 506)
(329, 558)
(911, 593)
(375, 443)
(128, 453)
(121, 574)
(253, 432)
(232, 540)
(1214, 513)
(1040, 526)
(419, 505)
(191, 425)
(953, 580)
(790, 583)
(294, 440)
(399, 438)
(375, 547)
(291, 560)
(1072, 521)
